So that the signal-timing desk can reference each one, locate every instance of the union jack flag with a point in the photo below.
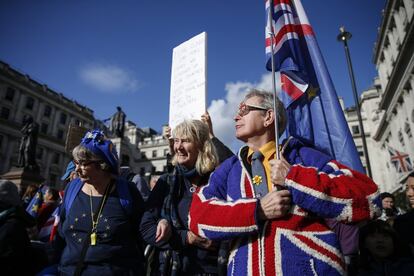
(283, 30)
(49, 229)
(305, 87)
(400, 160)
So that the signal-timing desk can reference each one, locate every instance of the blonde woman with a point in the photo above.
(165, 222)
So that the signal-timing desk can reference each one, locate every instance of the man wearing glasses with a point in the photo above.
(273, 210)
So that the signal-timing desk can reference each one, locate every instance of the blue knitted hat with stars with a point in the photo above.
(96, 142)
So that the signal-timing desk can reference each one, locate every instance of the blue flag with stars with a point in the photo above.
(36, 202)
(314, 112)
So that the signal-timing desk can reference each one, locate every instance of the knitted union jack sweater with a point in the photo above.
(299, 243)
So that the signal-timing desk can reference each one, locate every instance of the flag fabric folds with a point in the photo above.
(305, 87)
(36, 202)
(48, 231)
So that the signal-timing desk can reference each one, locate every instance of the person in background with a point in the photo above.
(98, 232)
(50, 202)
(404, 224)
(249, 199)
(165, 221)
(29, 194)
(389, 211)
(138, 181)
(15, 257)
(382, 252)
(154, 178)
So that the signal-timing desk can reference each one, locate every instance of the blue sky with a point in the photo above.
(108, 53)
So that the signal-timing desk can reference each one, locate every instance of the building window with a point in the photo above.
(39, 153)
(43, 128)
(143, 155)
(56, 157)
(5, 113)
(1, 141)
(154, 153)
(360, 151)
(48, 111)
(29, 103)
(355, 129)
(9, 94)
(401, 138)
(407, 130)
(60, 134)
(63, 118)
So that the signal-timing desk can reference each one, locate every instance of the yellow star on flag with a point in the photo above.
(35, 208)
(312, 92)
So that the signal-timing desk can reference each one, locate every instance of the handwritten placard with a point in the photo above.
(188, 80)
(74, 137)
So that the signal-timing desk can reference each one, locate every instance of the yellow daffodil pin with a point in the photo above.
(257, 179)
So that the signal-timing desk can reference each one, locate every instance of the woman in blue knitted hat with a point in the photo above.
(100, 215)
(165, 221)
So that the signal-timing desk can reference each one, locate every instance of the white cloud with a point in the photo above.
(109, 78)
(222, 110)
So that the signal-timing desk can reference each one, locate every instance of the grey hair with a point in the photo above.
(267, 102)
(80, 152)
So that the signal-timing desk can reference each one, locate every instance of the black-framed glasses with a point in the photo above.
(84, 163)
(244, 109)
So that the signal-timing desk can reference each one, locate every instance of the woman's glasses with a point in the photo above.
(84, 163)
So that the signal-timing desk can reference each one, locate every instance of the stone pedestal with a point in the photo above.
(23, 177)
(122, 147)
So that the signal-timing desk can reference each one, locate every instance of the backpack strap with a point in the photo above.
(122, 186)
(124, 192)
(72, 190)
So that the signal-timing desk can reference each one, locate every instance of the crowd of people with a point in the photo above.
(213, 213)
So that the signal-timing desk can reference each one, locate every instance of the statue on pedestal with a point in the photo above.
(118, 122)
(28, 141)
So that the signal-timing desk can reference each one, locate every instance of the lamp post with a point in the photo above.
(344, 36)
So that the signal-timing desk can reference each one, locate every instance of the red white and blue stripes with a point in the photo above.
(297, 243)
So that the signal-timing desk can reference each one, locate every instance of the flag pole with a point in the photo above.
(344, 36)
(275, 108)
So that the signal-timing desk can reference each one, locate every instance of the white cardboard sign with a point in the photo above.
(188, 80)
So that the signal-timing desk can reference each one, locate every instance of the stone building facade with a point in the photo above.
(388, 106)
(20, 95)
(154, 153)
(394, 60)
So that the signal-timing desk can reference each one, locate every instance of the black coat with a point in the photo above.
(16, 256)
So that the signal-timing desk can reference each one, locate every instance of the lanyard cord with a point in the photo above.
(95, 222)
